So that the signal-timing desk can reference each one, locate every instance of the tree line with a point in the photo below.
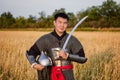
(106, 15)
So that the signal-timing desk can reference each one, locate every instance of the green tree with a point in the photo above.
(82, 14)
(106, 15)
(31, 22)
(49, 22)
(21, 22)
(41, 22)
(110, 11)
(58, 11)
(72, 19)
(6, 20)
(31, 19)
(93, 13)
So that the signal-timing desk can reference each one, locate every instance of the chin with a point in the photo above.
(61, 31)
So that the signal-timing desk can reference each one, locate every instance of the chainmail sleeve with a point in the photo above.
(77, 52)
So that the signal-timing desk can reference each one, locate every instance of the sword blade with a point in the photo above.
(66, 42)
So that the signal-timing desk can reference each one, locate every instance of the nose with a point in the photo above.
(62, 24)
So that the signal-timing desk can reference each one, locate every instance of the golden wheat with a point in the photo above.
(14, 65)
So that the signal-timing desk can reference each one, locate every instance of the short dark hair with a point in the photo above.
(63, 15)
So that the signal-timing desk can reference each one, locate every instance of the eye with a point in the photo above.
(65, 23)
(59, 22)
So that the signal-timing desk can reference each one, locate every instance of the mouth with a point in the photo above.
(62, 29)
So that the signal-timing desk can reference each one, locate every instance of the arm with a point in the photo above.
(31, 56)
(78, 57)
(76, 51)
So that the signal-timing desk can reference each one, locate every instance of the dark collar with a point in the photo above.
(57, 36)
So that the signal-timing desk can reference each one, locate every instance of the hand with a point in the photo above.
(38, 67)
(63, 54)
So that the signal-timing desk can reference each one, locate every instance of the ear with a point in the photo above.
(54, 22)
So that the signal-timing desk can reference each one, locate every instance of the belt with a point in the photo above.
(61, 63)
(57, 72)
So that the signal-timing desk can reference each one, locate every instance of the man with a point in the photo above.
(61, 68)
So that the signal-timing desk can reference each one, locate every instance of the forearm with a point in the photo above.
(33, 62)
(30, 58)
(76, 58)
(32, 54)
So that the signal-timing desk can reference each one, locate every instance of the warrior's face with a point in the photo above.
(60, 25)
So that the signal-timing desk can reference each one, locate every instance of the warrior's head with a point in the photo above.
(60, 23)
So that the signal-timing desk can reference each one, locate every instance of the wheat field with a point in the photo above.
(101, 49)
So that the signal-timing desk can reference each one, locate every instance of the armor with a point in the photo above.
(45, 44)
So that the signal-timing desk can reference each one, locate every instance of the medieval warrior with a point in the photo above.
(60, 66)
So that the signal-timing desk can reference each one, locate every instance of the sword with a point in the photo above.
(66, 42)
(81, 59)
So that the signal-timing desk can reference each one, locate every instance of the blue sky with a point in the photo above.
(33, 7)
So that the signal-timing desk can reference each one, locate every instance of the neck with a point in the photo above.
(60, 34)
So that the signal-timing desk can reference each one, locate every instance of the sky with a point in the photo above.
(33, 7)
